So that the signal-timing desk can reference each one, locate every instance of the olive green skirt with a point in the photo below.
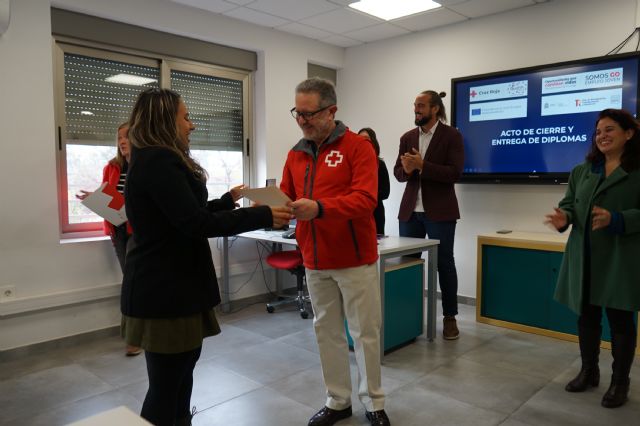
(169, 335)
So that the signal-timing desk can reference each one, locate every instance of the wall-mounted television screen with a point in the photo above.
(535, 124)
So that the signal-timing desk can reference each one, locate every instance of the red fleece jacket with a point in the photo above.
(343, 177)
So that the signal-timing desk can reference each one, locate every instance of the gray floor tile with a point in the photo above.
(483, 386)
(261, 407)
(44, 390)
(268, 362)
(80, 409)
(279, 324)
(230, 340)
(264, 370)
(113, 345)
(19, 367)
(305, 387)
(513, 422)
(242, 313)
(553, 405)
(305, 339)
(138, 389)
(414, 361)
(415, 405)
(117, 369)
(526, 353)
(213, 385)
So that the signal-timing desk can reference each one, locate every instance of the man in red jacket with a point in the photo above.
(430, 160)
(332, 176)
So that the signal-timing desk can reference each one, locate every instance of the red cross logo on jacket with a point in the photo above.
(333, 158)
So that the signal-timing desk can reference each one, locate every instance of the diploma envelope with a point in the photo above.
(269, 196)
(108, 203)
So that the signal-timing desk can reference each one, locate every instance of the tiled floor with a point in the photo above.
(264, 370)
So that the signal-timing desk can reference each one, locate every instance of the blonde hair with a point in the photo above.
(153, 123)
(119, 159)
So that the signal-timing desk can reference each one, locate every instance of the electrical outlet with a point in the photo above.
(7, 292)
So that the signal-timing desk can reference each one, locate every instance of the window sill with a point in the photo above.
(83, 237)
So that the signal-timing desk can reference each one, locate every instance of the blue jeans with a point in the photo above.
(419, 226)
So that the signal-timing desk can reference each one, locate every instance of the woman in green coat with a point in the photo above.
(600, 263)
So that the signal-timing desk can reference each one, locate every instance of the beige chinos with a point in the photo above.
(353, 293)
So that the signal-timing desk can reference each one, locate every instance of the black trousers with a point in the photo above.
(419, 226)
(170, 385)
(120, 240)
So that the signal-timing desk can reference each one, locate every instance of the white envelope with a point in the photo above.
(108, 203)
(269, 196)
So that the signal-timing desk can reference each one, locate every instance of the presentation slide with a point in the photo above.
(539, 120)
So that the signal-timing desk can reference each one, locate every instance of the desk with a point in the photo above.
(388, 247)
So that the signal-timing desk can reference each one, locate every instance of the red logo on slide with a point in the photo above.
(473, 94)
(117, 200)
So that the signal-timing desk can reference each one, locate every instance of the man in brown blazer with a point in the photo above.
(430, 160)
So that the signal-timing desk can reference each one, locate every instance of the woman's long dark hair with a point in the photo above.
(373, 138)
(630, 159)
(153, 123)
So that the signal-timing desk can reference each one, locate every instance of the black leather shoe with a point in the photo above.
(327, 416)
(378, 418)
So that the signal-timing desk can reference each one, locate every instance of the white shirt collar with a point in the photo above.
(431, 131)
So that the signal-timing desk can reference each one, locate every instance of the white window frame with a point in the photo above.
(62, 45)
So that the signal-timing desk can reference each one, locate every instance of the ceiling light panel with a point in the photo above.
(388, 10)
(129, 79)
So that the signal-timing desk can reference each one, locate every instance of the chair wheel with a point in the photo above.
(270, 309)
(304, 314)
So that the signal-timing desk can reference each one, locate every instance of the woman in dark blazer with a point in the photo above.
(600, 263)
(383, 180)
(169, 288)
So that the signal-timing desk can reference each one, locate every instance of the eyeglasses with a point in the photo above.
(306, 115)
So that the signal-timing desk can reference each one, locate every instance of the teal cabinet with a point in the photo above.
(517, 277)
(403, 303)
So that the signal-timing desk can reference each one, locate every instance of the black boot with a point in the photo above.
(186, 421)
(589, 375)
(623, 349)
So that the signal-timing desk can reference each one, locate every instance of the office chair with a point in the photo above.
(291, 261)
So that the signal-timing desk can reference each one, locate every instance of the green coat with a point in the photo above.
(615, 259)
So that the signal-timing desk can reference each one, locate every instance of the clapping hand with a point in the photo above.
(557, 219)
(600, 218)
(411, 161)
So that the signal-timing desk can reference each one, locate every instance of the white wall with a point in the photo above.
(32, 259)
(379, 82)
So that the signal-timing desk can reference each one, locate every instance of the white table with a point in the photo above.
(117, 416)
(388, 247)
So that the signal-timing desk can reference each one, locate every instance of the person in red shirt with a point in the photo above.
(332, 176)
(115, 173)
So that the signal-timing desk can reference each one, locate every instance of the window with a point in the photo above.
(217, 111)
(95, 91)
